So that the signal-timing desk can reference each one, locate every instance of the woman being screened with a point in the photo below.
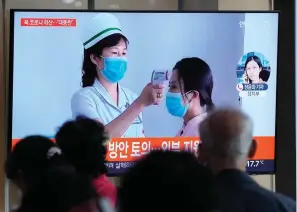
(190, 94)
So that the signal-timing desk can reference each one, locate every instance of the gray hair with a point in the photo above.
(227, 134)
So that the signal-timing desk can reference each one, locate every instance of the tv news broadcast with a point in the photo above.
(50, 83)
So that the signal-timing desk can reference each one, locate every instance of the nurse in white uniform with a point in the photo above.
(190, 94)
(102, 97)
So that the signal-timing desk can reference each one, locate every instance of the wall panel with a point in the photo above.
(245, 5)
(285, 178)
(2, 110)
(137, 4)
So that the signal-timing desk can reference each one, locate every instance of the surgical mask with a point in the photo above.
(174, 104)
(114, 68)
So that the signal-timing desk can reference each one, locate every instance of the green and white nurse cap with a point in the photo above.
(99, 27)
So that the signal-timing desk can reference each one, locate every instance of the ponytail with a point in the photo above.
(89, 71)
(206, 100)
(210, 106)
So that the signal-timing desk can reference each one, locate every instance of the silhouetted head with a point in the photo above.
(48, 182)
(83, 142)
(167, 181)
(227, 139)
(31, 158)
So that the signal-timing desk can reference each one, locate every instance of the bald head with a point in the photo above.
(227, 134)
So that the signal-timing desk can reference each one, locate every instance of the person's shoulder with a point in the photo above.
(288, 203)
(129, 93)
(274, 201)
(84, 91)
(87, 93)
(231, 183)
(105, 187)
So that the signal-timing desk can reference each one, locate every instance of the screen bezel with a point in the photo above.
(11, 50)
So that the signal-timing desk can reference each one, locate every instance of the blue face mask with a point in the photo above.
(174, 104)
(114, 68)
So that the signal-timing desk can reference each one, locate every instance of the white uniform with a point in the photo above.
(96, 103)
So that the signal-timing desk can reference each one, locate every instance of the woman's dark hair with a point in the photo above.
(258, 61)
(264, 75)
(88, 67)
(83, 143)
(51, 183)
(29, 156)
(162, 178)
(196, 75)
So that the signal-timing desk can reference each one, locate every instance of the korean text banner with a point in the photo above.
(123, 152)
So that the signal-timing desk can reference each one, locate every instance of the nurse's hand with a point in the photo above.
(151, 94)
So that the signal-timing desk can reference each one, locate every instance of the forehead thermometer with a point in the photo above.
(160, 76)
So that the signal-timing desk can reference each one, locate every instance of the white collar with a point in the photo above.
(198, 118)
(107, 97)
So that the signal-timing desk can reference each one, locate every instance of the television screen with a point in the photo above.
(108, 66)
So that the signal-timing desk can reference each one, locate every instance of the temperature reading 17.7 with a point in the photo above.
(254, 163)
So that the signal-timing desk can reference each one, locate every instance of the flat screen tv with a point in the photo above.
(47, 75)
